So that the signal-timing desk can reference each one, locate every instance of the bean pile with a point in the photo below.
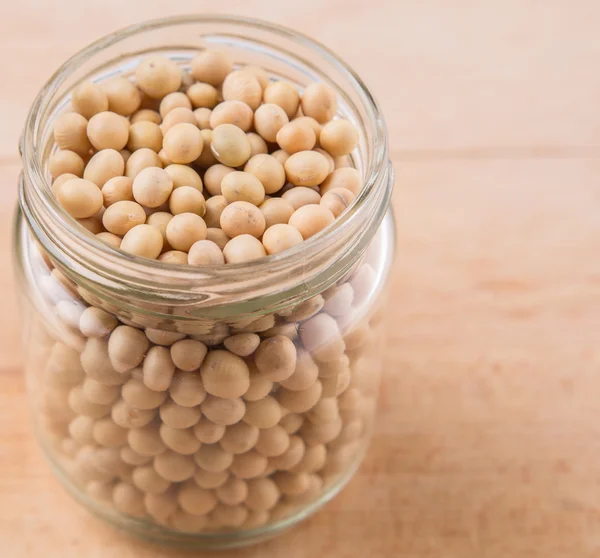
(222, 424)
(217, 166)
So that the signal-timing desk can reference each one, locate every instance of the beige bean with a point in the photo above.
(241, 85)
(223, 411)
(100, 393)
(306, 168)
(239, 438)
(311, 219)
(172, 101)
(269, 118)
(81, 405)
(202, 95)
(213, 458)
(280, 237)
(242, 218)
(119, 188)
(126, 348)
(81, 429)
(145, 134)
(242, 186)
(257, 144)
(67, 164)
(230, 516)
(264, 413)
(291, 484)
(263, 494)
(196, 500)
(249, 465)
(217, 236)
(123, 96)
(209, 480)
(348, 178)
(205, 252)
(275, 358)
(230, 145)
(130, 417)
(89, 99)
(146, 115)
(80, 198)
(188, 354)
(276, 211)
(339, 137)
(186, 389)
(268, 170)
(161, 506)
(157, 76)
(242, 344)
(138, 396)
(128, 500)
(122, 216)
(313, 460)
(291, 457)
(232, 112)
(305, 373)
(174, 467)
(152, 187)
(272, 441)
(233, 492)
(207, 431)
(292, 422)
(177, 416)
(146, 440)
(161, 336)
(108, 130)
(319, 102)
(259, 73)
(214, 177)
(243, 248)
(206, 159)
(148, 480)
(132, 457)
(281, 156)
(111, 239)
(300, 401)
(139, 160)
(96, 363)
(285, 95)
(183, 143)
(184, 230)
(202, 116)
(70, 133)
(211, 67)
(181, 441)
(301, 196)
(179, 115)
(296, 136)
(214, 208)
(259, 386)
(158, 369)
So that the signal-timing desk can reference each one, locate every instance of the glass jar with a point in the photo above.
(171, 463)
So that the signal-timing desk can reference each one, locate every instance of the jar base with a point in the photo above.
(153, 533)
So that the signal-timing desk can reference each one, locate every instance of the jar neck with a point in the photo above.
(166, 290)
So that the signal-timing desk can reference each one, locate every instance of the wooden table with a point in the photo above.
(488, 439)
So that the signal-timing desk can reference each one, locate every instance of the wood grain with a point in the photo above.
(488, 438)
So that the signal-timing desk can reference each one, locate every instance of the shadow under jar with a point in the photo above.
(169, 462)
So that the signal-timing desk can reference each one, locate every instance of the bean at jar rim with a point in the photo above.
(230, 439)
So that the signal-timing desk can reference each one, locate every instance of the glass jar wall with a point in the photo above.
(209, 406)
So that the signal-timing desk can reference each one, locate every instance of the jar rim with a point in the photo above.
(377, 172)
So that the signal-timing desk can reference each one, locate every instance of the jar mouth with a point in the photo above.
(57, 225)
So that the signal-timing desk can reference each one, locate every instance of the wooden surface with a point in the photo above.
(488, 438)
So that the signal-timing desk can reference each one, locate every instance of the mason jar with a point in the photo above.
(145, 447)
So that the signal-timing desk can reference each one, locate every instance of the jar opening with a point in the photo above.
(308, 265)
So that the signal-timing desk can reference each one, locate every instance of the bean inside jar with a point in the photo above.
(236, 423)
(296, 135)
